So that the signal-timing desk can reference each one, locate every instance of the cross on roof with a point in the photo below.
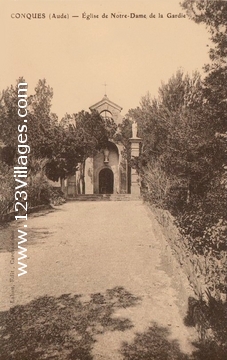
(105, 84)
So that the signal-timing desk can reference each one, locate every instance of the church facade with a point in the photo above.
(107, 172)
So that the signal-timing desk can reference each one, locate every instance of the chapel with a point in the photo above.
(107, 172)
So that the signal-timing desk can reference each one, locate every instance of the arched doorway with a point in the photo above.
(106, 181)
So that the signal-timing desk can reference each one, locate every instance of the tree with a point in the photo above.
(7, 188)
(42, 122)
(68, 120)
(178, 139)
(78, 137)
(123, 135)
(92, 134)
(214, 15)
(63, 145)
(9, 122)
(66, 153)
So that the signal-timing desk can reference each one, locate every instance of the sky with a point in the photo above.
(77, 56)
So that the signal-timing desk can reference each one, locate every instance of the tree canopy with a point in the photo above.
(63, 144)
(214, 15)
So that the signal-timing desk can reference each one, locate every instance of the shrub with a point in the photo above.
(39, 190)
(57, 197)
(160, 189)
(7, 188)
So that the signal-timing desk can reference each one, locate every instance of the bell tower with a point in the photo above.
(108, 109)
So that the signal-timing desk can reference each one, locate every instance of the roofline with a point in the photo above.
(105, 99)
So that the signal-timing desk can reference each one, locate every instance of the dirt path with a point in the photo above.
(99, 286)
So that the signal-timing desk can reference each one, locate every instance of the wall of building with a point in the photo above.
(113, 164)
(106, 105)
(93, 166)
(89, 186)
(114, 113)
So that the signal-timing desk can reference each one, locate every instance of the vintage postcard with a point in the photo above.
(112, 234)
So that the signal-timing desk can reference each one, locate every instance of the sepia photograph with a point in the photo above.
(113, 179)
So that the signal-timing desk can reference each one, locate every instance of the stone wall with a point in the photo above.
(203, 273)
